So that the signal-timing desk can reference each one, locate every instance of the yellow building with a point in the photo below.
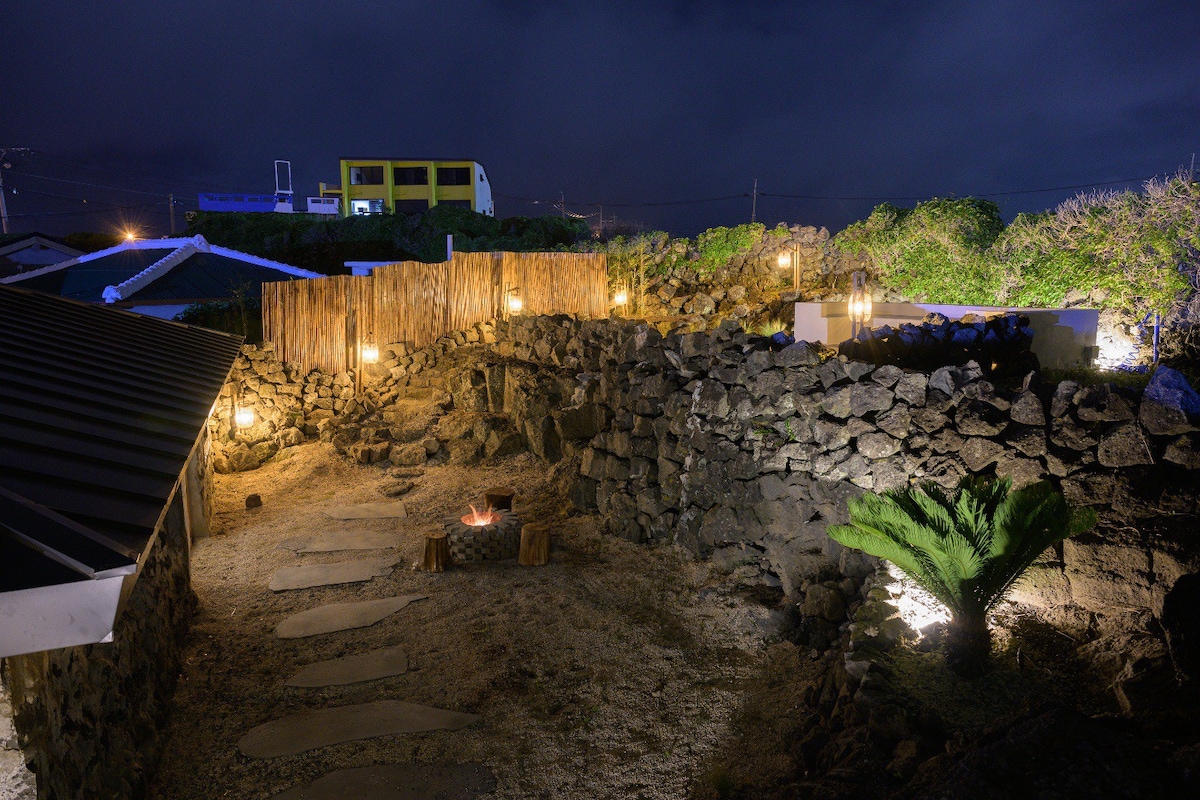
(374, 185)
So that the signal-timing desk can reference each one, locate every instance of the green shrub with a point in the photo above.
(716, 247)
(966, 548)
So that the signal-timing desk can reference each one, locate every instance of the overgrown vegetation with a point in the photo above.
(323, 245)
(1135, 251)
(242, 316)
(966, 548)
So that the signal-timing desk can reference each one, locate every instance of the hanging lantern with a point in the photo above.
(243, 417)
(620, 298)
(514, 303)
(369, 350)
(785, 259)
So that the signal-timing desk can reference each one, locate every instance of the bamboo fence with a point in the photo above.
(321, 321)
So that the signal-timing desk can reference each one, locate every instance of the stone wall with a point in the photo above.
(745, 452)
(88, 717)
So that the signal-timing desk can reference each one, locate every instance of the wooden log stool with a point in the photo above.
(535, 545)
(499, 498)
(437, 551)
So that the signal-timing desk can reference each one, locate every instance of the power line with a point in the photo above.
(153, 176)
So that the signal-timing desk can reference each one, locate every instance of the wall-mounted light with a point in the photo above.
(243, 417)
(369, 350)
(512, 302)
(789, 258)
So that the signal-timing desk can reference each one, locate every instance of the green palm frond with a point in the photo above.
(967, 547)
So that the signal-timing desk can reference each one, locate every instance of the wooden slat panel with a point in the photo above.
(318, 323)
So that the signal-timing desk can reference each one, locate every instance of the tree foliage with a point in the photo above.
(967, 547)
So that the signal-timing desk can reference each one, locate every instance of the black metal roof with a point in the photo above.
(99, 411)
(201, 277)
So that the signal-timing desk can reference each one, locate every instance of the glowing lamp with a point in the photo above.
(785, 259)
(244, 417)
(130, 236)
(369, 350)
(514, 304)
(620, 298)
(859, 305)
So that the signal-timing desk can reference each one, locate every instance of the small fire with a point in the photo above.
(481, 518)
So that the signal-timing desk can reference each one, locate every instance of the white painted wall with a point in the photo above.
(1062, 337)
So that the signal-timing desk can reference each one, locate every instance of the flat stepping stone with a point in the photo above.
(398, 782)
(342, 616)
(343, 540)
(394, 509)
(310, 575)
(382, 663)
(309, 730)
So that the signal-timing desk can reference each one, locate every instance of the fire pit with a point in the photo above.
(483, 535)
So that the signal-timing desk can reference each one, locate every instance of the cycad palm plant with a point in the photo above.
(967, 547)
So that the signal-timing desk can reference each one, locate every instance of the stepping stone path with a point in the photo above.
(344, 540)
(309, 575)
(398, 782)
(391, 510)
(342, 616)
(372, 665)
(309, 730)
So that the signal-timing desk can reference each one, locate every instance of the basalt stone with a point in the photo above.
(896, 422)
(719, 526)
(837, 403)
(1184, 451)
(831, 372)
(1022, 471)
(977, 453)
(831, 435)
(868, 397)
(946, 471)
(1027, 409)
(929, 420)
(877, 445)
(942, 380)
(912, 387)
(756, 361)
(1102, 404)
(1169, 405)
(979, 419)
(858, 426)
(857, 370)
(1066, 433)
(1064, 396)
(1030, 441)
(710, 399)
(887, 375)
(1124, 446)
(799, 354)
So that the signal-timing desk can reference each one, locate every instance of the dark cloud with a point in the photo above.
(620, 102)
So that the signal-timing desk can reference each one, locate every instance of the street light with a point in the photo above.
(859, 305)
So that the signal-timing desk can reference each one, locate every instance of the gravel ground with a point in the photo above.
(616, 671)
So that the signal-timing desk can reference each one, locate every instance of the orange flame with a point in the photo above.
(480, 518)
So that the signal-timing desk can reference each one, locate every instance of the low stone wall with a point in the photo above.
(745, 453)
(88, 717)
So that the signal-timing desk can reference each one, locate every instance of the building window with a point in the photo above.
(455, 203)
(366, 206)
(454, 176)
(411, 207)
(410, 176)
(366, 176)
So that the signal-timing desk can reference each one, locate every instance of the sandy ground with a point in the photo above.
(614, 672)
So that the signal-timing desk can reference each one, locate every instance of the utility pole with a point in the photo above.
(171, 203)
(754, 203)
(4, 151)
(562, 199)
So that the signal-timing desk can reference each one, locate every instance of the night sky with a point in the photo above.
(644, 107)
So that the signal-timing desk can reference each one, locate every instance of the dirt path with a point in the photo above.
(614, 672)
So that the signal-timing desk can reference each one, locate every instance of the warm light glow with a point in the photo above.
(130, 236)
(514, 304)
(244, 417)
(917, 607)
(481, 518)
(785, 259)
(620, 298)
(369, 350)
